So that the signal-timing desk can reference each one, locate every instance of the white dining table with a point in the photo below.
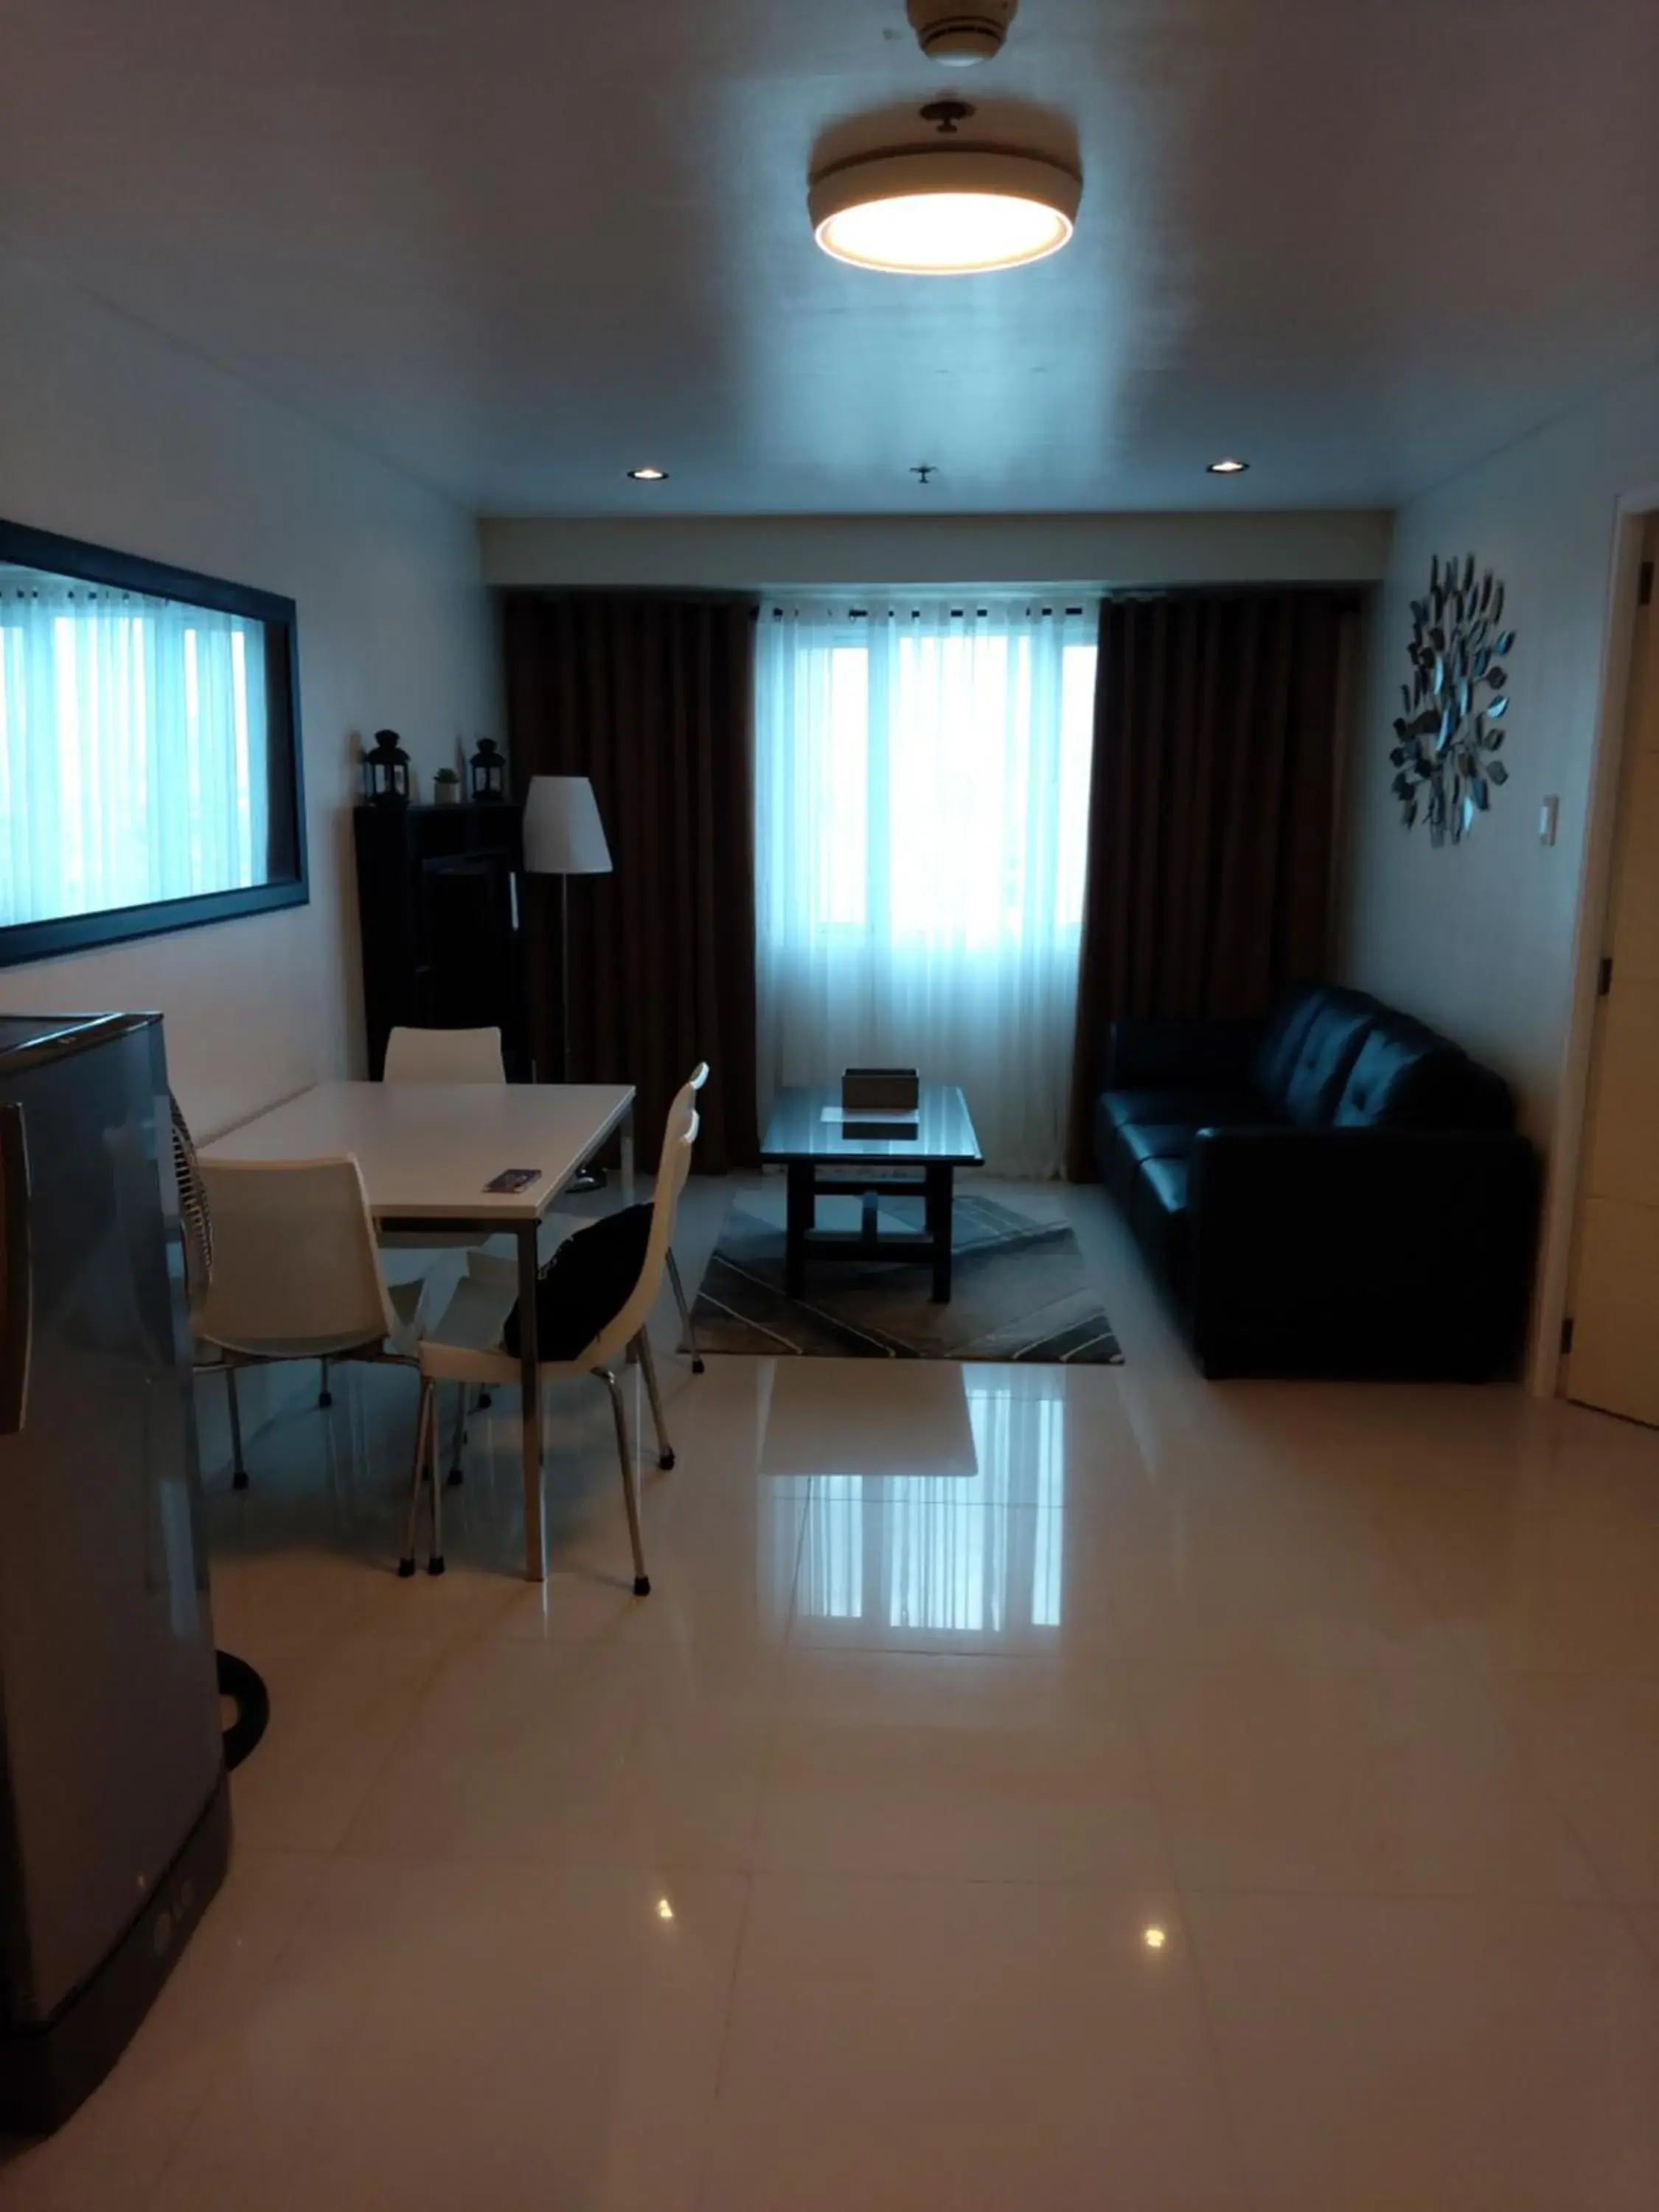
(427, 1150)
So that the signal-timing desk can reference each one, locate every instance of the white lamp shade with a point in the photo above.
(564, 835)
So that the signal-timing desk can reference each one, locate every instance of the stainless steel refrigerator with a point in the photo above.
(114, 1813)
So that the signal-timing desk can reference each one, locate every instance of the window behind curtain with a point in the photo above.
(148, 756)
(921, 785)
(960, 714)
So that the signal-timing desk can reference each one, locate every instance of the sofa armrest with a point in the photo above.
(1351, 1250)
(1196, 1055)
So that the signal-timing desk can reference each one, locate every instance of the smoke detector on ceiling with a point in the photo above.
(959, 32)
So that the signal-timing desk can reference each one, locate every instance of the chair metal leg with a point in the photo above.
(406, 1564)
(678, 1289)
(434, 1565)
(625, 1455)
(238, 1470)
(325, 1395)
(648, 1367)
(457, 1474)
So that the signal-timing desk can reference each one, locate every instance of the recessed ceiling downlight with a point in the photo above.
(648, 475)
(944, 211)
(1226, 466)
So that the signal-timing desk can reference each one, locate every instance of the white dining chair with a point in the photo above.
(567, 1225)
(296, 1274)
(444, 1056)
(415, 1055)
(699, 1076)
(466, 1347)
(196, 1235)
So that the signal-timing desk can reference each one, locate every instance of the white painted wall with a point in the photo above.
(1480, 940)
(805, 552)
(110, 434)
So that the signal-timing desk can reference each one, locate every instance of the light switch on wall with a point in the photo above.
(1549, 815)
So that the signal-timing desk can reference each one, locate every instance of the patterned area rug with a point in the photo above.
(1018, 1292)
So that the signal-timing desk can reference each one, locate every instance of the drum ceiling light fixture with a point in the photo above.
(948, 206)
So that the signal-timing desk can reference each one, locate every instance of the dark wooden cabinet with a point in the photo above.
(438, 911)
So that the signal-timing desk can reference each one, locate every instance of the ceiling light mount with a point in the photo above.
(946, 206)
(946, 114)
(959, 32)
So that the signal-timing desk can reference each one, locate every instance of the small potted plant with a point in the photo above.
(447, 787)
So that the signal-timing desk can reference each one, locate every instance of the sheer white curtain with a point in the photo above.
(921, 788)
(133, 750)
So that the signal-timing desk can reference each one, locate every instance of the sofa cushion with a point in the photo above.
(1282, 1038)
(1116, 1165)
(1158, 1211)
(1408, 1077)
(1400, 1077)
(1482, 1099)
(1340, 1025)
(1158, 1140)
(1167, 1180)
(1198, 1109)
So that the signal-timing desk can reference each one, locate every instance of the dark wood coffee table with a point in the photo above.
(834, 1158)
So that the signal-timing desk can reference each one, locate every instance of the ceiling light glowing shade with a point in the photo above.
(648, 476)
(937, 210)
(1226, 468)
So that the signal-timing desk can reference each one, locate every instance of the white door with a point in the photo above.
(1614, 1358)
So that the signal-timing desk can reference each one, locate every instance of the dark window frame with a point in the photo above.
(24, 941)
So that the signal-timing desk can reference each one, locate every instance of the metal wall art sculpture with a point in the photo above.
(1448, 740)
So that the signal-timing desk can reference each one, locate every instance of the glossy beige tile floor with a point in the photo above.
(1024, 1788)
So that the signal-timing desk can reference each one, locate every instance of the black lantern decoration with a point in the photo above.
(488, 770)
(385, 771)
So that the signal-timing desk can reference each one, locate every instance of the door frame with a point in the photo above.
(1557, 1258)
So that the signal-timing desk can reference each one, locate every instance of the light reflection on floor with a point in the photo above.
(928, 1556)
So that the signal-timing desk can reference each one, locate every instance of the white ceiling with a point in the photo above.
(516, 245)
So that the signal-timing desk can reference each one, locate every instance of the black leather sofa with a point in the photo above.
(1337, 1190)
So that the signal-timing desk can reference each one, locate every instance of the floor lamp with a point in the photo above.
(563, 837)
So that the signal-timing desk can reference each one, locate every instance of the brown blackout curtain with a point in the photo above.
(1210, 812)
(653, 698)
